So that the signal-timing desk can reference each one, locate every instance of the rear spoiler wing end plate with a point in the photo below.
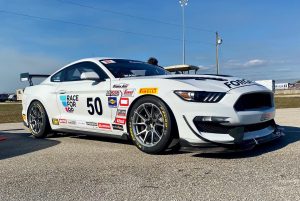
(28, 77)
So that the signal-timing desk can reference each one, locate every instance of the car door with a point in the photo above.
(83, 103)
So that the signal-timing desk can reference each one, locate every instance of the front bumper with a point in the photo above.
(241, 139)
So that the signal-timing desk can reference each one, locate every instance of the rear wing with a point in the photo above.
(182, 68)
(28, 77)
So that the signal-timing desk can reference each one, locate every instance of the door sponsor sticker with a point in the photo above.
(72, 122)
(55, 121)
(121, 113)
(112, 102)
(120, 121)
(128, 92)
(124, 102)
(63, 121)
(112, 93)
(148, 91)
(104, 126)
(93, 124)
(238, 83)
(117, 127)
(69, 102)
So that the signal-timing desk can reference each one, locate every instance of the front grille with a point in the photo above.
(254, 101)
(210, 127)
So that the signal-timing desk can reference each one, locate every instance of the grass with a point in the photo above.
(287, 102)
(11, 113)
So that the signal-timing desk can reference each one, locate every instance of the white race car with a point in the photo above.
(156, 110)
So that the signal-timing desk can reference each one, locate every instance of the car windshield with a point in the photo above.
(121, 68)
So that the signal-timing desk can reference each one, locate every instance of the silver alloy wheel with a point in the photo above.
(148, 124)
(35, 119)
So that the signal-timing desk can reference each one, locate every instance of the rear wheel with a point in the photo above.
(150, 125)
(38, 120)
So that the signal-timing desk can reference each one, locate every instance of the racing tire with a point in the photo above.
(150, 125)
(38, 121)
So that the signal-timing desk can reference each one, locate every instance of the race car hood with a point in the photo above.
(207, 82)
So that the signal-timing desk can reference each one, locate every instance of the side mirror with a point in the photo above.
(89, 76)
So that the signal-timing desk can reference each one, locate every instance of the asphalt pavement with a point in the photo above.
(69, 167)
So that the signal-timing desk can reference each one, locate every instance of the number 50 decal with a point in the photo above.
(94, 106)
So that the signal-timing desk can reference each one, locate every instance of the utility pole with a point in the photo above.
(218, 43)
(183, 3)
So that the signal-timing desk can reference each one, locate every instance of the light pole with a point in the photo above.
(218, 43)
(183, 3)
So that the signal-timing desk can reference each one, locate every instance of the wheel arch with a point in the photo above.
(37, 100)
(176, 133)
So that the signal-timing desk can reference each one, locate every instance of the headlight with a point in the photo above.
(200, 96)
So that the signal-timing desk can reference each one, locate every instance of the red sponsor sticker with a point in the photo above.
(108, 61)
(120, 121)
(62, 121)
(124, 102)
(104, 126)
(128, 92)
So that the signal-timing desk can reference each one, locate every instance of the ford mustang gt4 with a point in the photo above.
(145, 103)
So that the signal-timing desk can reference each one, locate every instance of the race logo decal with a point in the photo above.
(108, 61)
(128, 92)
(112, 93)
(120, 121)
(124, 102)
(122, 85)
(121, 113)
(55, 121)
(93, 124)
(104, 126)
(62, 121)
(148, 91)
(69, 102)
(112, 102)
(117, 127)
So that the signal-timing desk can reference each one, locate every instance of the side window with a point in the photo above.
(58, 77)
(92, 67)
(72, 73)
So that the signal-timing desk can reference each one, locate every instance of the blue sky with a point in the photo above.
(260, 37)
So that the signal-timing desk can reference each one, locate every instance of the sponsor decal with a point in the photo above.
(238, 83)
(104, 126)
(112, 101)
(117, 127)
(72, 122)
(69, 102)
(80, 123)
(120, 121)
(148, 91)
(112, 93)
(108, 61)
(122, 85)
(62, 121)
(128, 92)
(93, 124)
(55, 121)
(266, 116)
(121, 113)
(24, 117)
(124, 102)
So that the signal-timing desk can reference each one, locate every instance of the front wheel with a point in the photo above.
(150, 125)
(38, 120)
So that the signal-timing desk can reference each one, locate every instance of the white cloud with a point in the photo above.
(255, 63)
